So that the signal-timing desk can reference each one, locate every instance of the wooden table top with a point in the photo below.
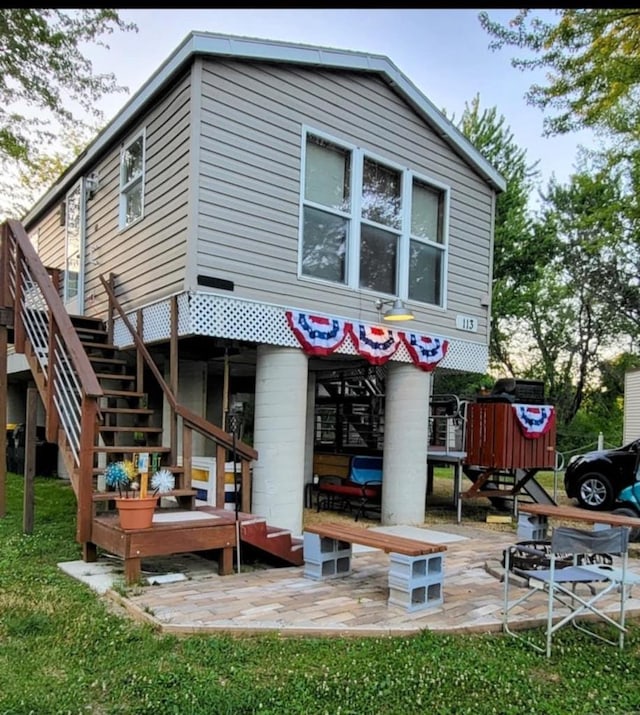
(577, 514)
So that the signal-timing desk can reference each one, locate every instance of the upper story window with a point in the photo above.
(132, 160)
(371, 225)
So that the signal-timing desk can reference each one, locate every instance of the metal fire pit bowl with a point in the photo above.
(521, 559)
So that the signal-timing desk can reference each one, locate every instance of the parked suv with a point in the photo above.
(596, 478)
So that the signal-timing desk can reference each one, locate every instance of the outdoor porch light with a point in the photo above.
(398, 310)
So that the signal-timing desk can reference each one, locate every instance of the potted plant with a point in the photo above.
(134, 502)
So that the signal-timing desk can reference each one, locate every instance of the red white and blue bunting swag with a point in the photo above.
(317, 334)
(426, 352)
(323, 335)
(535, 420)
(375, 344)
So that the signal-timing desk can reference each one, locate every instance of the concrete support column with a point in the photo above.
(280, 421)
(406, 436)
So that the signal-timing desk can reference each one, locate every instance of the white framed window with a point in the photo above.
(132, 165)
(369, 224)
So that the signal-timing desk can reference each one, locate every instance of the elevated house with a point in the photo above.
(233, 238)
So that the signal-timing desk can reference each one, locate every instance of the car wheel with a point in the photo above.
(634, 534)
(595, 492)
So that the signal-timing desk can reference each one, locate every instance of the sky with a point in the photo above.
(445, 53)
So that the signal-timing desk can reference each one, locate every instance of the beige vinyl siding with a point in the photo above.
(631, 428)
(252, 119)
(148, 257)
(51, 238)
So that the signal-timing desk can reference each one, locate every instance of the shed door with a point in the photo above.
(73, 281)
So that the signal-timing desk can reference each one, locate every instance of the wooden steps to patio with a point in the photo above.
(272, 540)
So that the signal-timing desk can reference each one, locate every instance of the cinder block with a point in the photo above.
(417, 599)
(320, 548)
(416, 567)
(327, 569)
(532, 527)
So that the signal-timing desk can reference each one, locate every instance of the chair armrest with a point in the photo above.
(329, 479)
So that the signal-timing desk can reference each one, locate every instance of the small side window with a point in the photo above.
(132, 161)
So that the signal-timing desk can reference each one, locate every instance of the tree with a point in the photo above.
(592, 63)
(569, 316)
(47, 85)
(516, 255)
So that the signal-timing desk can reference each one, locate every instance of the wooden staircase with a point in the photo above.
(104, 404)
(128, 428)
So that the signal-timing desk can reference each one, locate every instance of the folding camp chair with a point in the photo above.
(559, 584)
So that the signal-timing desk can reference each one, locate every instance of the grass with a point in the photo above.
(64, 650)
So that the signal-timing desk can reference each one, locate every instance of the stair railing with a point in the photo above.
(191, 421)
(66, 381)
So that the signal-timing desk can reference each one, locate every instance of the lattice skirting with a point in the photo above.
(233, 319)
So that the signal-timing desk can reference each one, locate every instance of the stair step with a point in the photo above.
(91, 335)
(101, 359)
(108, 392)
(97, 471)
(127, 410)
(128, 449)
(115, 376)
(274, 532)
(130, 428)
(108, 496)
(94, 345)
(81, 321)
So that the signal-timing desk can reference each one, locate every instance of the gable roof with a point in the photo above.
(248, 48)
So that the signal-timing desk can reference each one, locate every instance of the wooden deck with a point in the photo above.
(174, 531)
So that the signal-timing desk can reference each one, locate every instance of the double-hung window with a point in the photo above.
(132, 160)
(369, 224)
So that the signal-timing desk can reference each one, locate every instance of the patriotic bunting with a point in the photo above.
(534, 420)
(317, 334)
(375, 344)
(322, 335)
(425, 352)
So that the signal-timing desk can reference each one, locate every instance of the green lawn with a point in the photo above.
(64, 650)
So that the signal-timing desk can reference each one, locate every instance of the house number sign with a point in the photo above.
(466, 322)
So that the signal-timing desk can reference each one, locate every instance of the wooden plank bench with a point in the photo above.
(533, 518)
(416, 568)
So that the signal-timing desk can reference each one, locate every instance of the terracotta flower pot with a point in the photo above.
(136, 513)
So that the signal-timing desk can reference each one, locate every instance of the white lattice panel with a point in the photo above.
(156, 322)
(121, 334)
(233, 319)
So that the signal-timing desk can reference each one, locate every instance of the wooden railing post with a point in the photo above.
(221, 455)
(30, 439)
(173, 375)
(187, 451)
(89, 418)
(19, 332)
